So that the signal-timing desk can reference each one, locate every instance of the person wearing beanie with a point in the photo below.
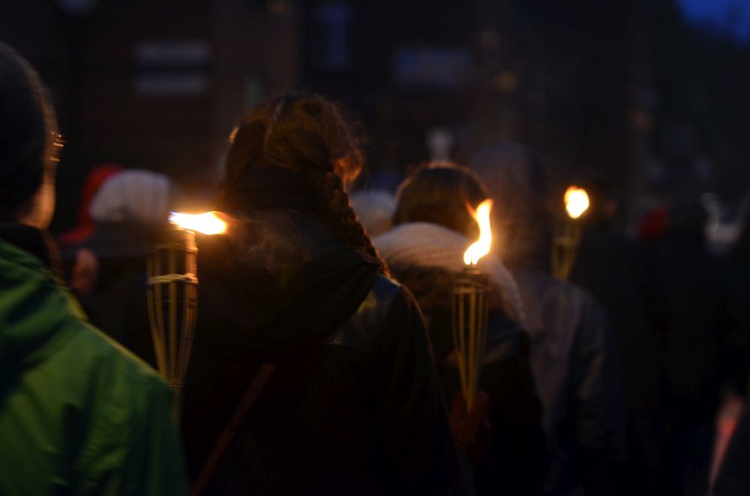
(80, 263)
(84, 227)
(78, 415)
(575, 361)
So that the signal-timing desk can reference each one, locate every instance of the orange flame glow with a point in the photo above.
(576, 201)
(205, 223)
(482, 246)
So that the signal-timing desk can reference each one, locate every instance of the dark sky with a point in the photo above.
(732, 16)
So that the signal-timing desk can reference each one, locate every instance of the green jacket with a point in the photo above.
(78, 414)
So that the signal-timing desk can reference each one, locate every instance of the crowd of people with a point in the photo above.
(323, 359)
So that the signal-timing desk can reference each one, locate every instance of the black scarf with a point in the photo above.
(249, 311)
(271, 188)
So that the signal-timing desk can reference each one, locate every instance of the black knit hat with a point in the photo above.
(27, 124)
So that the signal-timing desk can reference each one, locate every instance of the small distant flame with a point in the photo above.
(576, 201)
(205, 223)
(482, 246)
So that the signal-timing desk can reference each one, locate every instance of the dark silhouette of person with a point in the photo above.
(575, 359)
(353, 405)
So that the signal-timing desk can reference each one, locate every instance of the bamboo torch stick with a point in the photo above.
(173, 295)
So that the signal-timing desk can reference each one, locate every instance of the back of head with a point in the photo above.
(302, 132)
(517, 182)
(441, 193)
(27, 134)
(310, 143)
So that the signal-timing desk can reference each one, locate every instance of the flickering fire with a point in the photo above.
(482, 246)
(206, 223)
(576, 201)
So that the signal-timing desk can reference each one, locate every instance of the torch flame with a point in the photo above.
(576, 201)
(482, 246)
(205, 223)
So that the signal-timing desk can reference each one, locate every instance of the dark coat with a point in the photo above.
(608, 266)
(516, 461)
(578, 374)
(354, 405)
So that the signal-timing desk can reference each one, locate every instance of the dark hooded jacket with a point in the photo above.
(576, 364)
(354, 405)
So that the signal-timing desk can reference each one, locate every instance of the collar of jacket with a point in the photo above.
(34, 241)
(428, 245)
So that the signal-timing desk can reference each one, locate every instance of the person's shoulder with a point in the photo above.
(567, 292)
(559, 299)
(386, 289)
(384, 293)
(550, 287)
(386, 304)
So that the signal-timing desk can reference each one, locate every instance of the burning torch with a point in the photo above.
(469, 307)
(568, 237)
(173, 294)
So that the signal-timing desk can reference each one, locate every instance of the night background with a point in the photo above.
(652, 95)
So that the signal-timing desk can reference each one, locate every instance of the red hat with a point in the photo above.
(85, 227)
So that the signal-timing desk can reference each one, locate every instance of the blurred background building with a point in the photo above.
(627, 89)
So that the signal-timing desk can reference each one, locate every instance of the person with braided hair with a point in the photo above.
(311, 370)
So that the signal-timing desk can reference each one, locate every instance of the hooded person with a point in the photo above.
(78, 415)
(433, 228)
(311, 371)
(575, 362)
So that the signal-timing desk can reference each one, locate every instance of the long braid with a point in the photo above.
(348, 227)
(309, 134)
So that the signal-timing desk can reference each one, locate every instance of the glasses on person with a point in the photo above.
(58, 143)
